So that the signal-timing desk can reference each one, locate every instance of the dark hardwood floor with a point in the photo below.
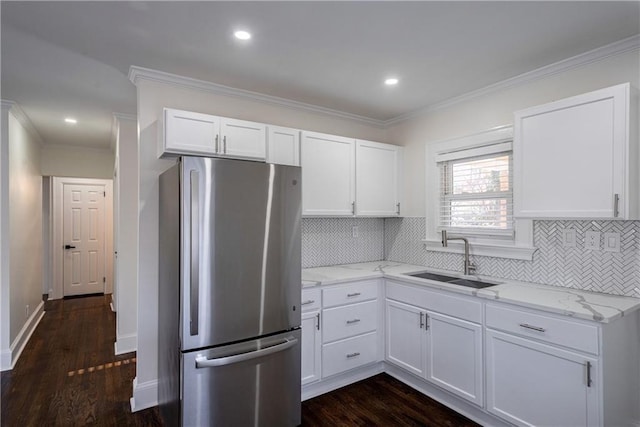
(379, 401)
(68, 375)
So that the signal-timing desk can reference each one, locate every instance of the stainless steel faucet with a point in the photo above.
(469, 267)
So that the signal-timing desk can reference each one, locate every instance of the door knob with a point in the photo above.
(69, 247)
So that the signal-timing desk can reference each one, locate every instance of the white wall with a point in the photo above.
(24, 291)
(5, 341)
(79, 162)
(152, 97)
(126, 181)
(495, 109)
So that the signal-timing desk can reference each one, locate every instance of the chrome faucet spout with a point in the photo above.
(469, 267)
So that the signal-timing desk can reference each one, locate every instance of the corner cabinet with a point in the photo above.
(186, 132)
(348, 177)
(578, 157)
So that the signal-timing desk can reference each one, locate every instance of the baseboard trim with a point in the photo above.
(11, 356)
(326, 385)
(145, 395)
(126, 344)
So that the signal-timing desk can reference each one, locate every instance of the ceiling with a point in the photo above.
(64, 59)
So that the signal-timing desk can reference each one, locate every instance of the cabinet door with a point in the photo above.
(570, 157)
(529, 383)
(454, 356)
(311, 347)
(328, 175)
(243, 139)
(377, 179)
(405, 336)
(283, 146)
(186, 132)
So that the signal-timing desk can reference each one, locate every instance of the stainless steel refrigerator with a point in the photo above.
(229, 314)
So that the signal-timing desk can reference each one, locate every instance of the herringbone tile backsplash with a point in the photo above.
(609, 272)
(329, 241)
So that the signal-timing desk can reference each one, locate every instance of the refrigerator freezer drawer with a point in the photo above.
(254, 383)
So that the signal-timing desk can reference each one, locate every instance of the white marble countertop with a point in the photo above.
(555, 299)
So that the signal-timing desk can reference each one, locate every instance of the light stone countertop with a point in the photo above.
(555, 299)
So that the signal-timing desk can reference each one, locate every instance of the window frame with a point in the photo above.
(518, 247)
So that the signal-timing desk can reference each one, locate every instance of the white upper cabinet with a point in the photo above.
(243, 139)
(377, 179)
(283, 146)
(186, 132)
(328, 175)
(345, 177)
(578, 157)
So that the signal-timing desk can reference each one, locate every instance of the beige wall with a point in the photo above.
(77, 162)
(25, 225)
(496, 109)
(152, 97)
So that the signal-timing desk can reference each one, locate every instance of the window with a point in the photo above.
(469, 192)
(476, 195)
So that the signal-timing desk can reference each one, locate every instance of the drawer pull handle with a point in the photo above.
(534, 328)
(421, 320)
(589, 381)
(318, 322)
(355, 294)
(309, 301)
(349, 322)
(350, 355)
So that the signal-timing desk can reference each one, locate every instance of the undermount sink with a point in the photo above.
(476, 284)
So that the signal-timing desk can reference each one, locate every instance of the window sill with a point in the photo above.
(484, 249)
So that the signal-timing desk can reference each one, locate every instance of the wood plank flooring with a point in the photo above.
(379, 401)
(68, 375)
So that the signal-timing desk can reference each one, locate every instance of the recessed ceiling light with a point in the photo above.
(391, 81)
(70, 120)
(242, 35)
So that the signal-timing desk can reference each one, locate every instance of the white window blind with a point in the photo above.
(476, 192)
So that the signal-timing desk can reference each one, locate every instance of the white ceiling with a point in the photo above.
(72, 58)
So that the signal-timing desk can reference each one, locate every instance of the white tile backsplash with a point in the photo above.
(329, 241)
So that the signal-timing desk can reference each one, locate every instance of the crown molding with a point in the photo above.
(581, 60)
(23, 119)
(138, 73)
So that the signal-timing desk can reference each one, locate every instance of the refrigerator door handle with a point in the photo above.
(203, 362)
(194, 256)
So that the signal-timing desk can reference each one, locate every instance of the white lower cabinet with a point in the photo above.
(534, 384)
(341, 356)
(311, 348)
(441, 349)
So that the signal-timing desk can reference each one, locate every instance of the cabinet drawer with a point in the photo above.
(310, 299)
(353, 292)
(544, 328)
(348, 354)
(349, 320)
(437, 301)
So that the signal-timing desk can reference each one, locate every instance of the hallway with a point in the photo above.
(68, 375)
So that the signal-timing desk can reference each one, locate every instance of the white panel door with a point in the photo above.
(377, 178)
(311, 347)
(328, 175)
(283, 146)
(186, 132)
(243, 139)
(406, 337)
(454, 356)
(533, 384)
(84, 239)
